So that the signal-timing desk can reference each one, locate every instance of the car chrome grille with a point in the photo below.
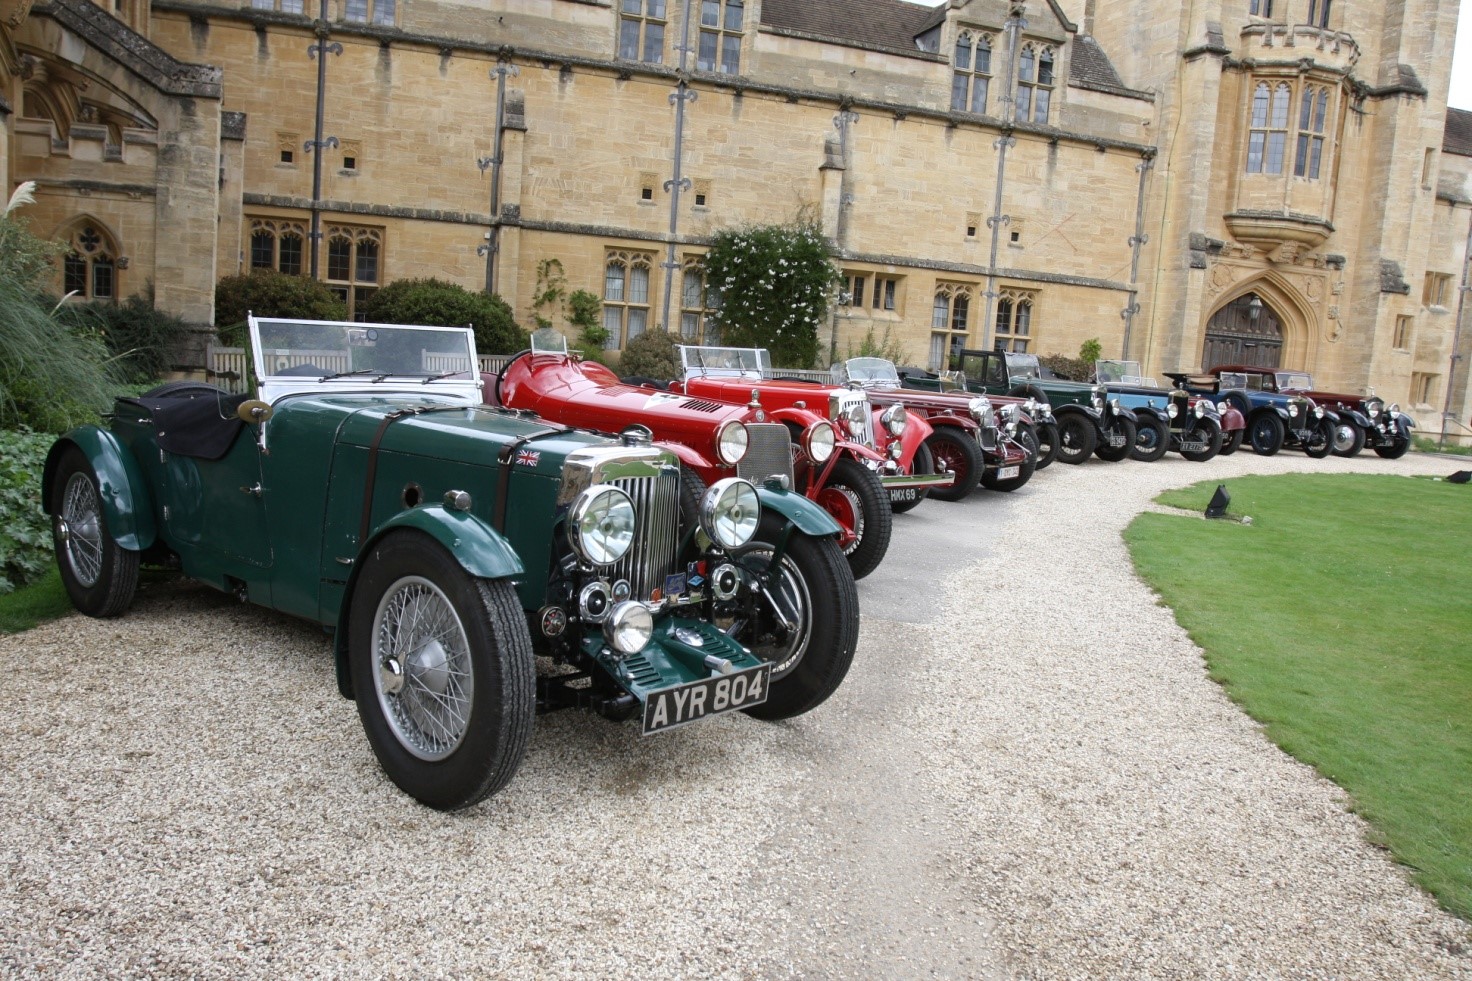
(987, 437)
(840, 403)
(656, 536)
(769, 452)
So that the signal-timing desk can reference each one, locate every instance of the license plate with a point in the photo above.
(1116, 440)
(902, 494)
(1192, 446)
(1005, 473)
(698, 700)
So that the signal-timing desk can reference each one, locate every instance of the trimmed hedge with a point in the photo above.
(25, 530)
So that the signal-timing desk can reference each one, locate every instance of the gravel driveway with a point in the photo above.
(1027, 774)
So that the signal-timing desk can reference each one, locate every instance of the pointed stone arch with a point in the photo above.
(1295, 317)
(94, 259)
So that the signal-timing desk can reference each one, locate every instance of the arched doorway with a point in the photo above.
(1245, 331)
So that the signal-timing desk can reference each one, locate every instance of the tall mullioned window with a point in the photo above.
(721, 24)
(698, 302)
(354, 265)
(1318, 13)
(973, 72)
(641, 25)
(1034, 83)
(1014, 320)
(1313, 107)
(277, 244)
(1267, 139)
(626, 296)
(1260, 8)
(90, 267)
(950, 323)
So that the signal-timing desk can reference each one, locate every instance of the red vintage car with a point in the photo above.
(713, 438)
(985, 440)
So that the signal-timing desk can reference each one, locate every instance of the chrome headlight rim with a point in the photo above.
(1293, 410)
(732, 442)
(629, 627)
(730, 512)
(980, 409)
(1171, 411)
(606, 512)
(894, 419)
(820, 441)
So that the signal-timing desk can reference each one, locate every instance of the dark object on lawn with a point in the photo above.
(1219, 501)
(1460, 477)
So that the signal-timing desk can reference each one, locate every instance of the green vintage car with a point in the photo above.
(445, 543)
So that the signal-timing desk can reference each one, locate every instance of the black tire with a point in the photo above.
(99, 575)
(924, 463)
(1321, 440)
(1047, 443)
(856, 497)
(479, 631)
(1349, 439)
(1107, 451)
(1028, 392)
(1265, 433)
(1028, 437)
(1231, 442)
(1077, 437)
(956, 449)
(1210, 431)
(817, 591)
(1152, 440)
(1395, 450)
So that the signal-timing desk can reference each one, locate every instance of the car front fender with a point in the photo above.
(1232, 417)
(474, 544)
(808, 517)
(126, 501)
(1088, 410)
(1356, 417)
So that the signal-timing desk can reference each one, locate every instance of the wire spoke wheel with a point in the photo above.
(425, 681)
(81, 510)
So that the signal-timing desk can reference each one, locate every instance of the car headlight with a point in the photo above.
(1201, 409)
(600, 526)
(819, 441)
(895, 417)
(1114, 404)
(1394, 409)
(629, 627)
(731, 442)
(1373, 409)
(980, 409)
(1318, 412)
(855, 416)
(729, 512)
(1097, 402)
(1172, 411)
(1293, 410)
(1011, 411)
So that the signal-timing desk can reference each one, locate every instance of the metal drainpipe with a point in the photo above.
(1451, 371)
(1136, 240)
(845, 118)
(996, 219)
(674, 186)
(317, 143)
(492, 246)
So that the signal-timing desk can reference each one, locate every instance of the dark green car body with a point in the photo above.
(293, 505)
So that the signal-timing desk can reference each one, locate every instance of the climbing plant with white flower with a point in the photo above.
(771, 286)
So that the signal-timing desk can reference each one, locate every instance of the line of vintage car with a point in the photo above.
(673, 550)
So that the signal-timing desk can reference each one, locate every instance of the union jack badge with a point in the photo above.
(528, 458)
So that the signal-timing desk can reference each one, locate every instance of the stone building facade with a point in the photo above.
(1276, 181)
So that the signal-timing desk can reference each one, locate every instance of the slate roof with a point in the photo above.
(1091, 66)
(1458, 136)
(870, 23)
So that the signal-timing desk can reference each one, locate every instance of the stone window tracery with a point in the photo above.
(1014, 323)
(950, 322)
(277, 244)
(354, 257)
(89, 269)
(698, 302)
(626, 296)
(971, 78)
(1268, 136)
(1313, 109)
(1034, 83)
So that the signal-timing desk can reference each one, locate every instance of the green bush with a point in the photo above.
(650, 355)
(1072, 369)
(434, 302)
(1090, 351)
(25, 531)
(774, 283)
(138, 337)
(268, 293)
(583, 310)
(871, 347)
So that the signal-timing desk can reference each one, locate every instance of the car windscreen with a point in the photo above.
(867, 370)
(726, 361)
(1023, 366)
(329, 350)
(1122, 373)
(1300, 380)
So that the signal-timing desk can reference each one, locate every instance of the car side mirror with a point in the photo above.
(254, 411)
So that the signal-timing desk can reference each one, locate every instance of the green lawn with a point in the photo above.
(1341, 619)
(42, 600)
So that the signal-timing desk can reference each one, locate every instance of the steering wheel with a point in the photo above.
(496, 388)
